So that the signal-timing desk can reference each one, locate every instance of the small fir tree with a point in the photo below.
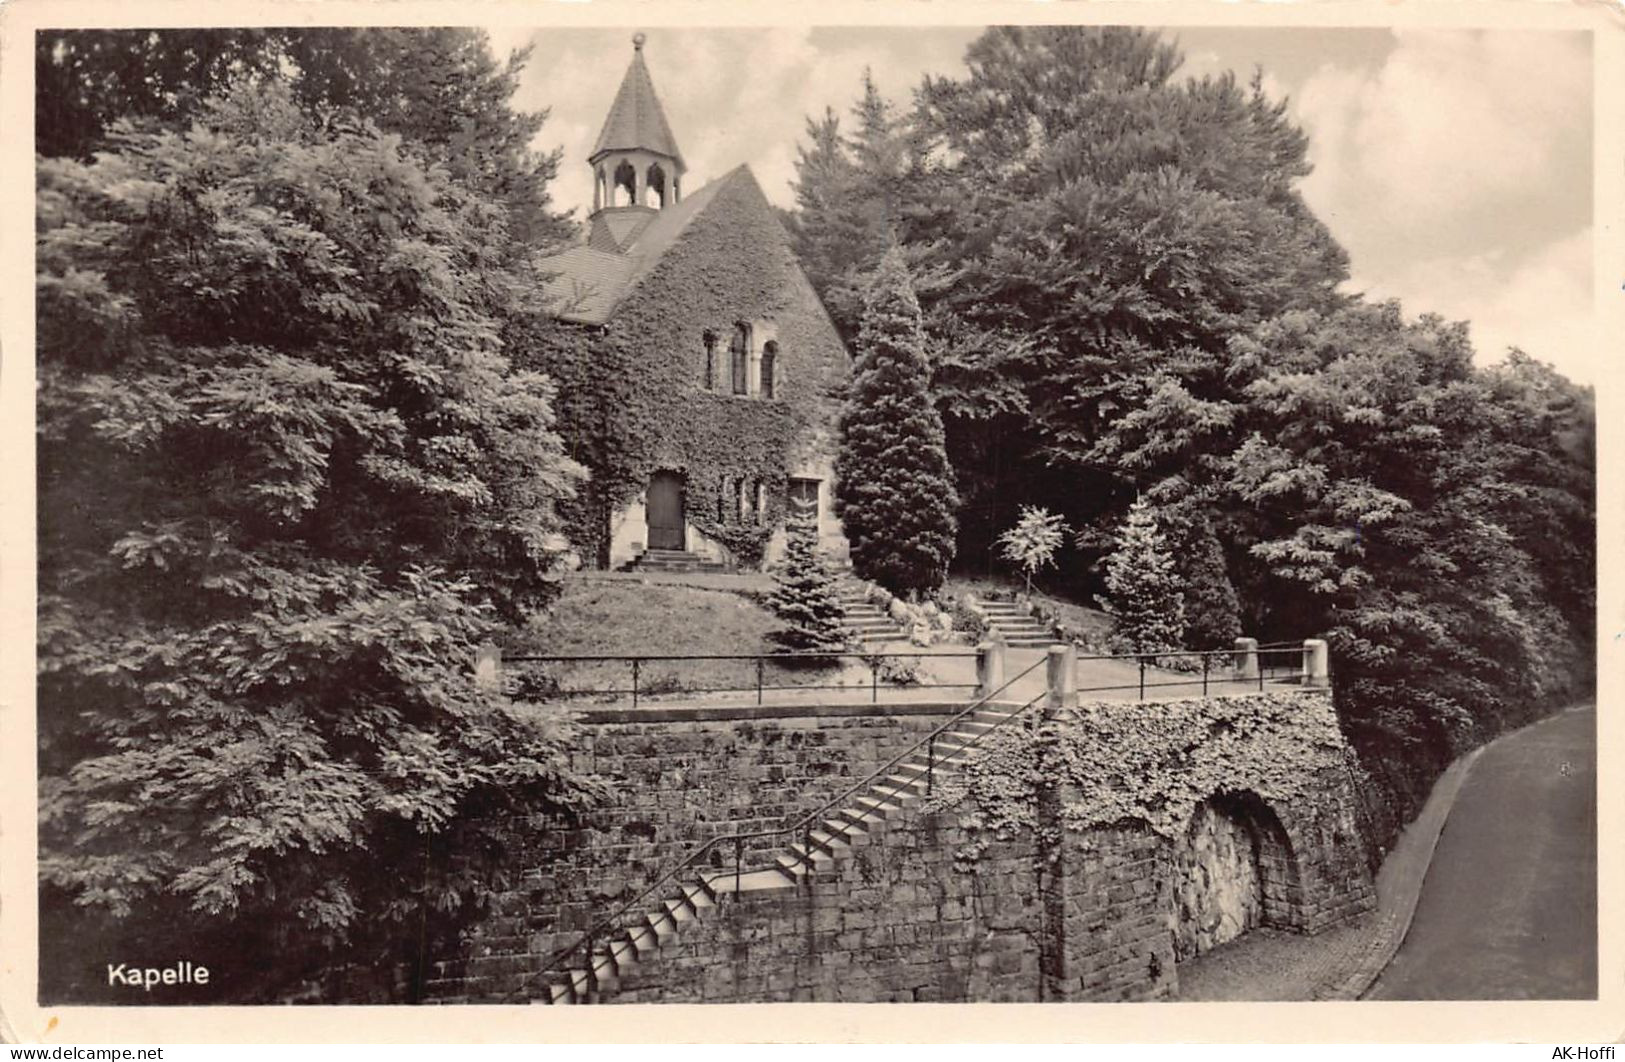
(1142, 586)
(804, 598)
(895, 488)
(1033, 541)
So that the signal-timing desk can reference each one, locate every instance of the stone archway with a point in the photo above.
(1234, 870)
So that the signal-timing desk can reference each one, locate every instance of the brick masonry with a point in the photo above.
(913, 912)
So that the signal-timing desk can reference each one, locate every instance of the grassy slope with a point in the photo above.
(616, 616)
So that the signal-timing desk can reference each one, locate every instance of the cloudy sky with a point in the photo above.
(1454, 165)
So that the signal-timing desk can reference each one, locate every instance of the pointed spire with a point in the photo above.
(636, 121)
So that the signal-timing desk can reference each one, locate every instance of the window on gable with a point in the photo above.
(739, 355)
(710, 339)
(770, 358)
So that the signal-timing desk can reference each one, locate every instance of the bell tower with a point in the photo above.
(637, 169)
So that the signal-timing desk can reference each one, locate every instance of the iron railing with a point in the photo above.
(1277, 663)
(606, 928)
(641, 688)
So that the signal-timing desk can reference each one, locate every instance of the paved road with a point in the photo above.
(1509, 907)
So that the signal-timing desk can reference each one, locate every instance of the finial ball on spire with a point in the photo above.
(637, 41)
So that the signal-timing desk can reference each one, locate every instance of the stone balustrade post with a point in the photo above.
(1246, 664)
(1316, 663)
(989, 668)
(1062, 676)
(488, 666)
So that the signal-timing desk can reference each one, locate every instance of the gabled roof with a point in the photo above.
(587, 284)
(615, 229)
(635, 118)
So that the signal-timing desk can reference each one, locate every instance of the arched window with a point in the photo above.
(654, 187)
(722, 499)
(739, 500)
(626, 185)
(739, 355)
(770, 357)
(761, 502)
(600, 190)
(710, 339)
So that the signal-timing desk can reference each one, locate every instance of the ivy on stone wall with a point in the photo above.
(1150, 763)
(633, 398)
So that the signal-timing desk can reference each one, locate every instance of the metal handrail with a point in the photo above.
(797, 655)
(801, 825)
(636, 691)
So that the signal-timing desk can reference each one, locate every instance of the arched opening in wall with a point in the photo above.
(1234, 871)
(626, 185)
(739, 355)
(600, 189)
(654, 187)
(770, 360)
(759, 504)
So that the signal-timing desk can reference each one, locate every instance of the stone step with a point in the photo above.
(813, 852)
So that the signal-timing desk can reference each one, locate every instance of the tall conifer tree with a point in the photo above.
(895, 488)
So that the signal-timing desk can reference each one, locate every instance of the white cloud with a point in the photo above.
(1542, 304)
(1445, 172)
(1453, 122)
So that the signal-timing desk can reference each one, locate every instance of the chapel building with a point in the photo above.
(731, 370)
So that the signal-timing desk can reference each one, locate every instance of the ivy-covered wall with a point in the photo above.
(633, 395)
(1276, 763)
(1079, 860)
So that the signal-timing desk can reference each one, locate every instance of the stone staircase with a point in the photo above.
(674, 560)
(1016, 626)
(832, 839)
(866, 621)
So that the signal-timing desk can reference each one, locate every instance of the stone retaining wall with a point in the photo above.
(927, 906)
(679, 776)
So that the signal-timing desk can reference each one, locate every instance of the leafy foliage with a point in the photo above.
(804, 597)
(1389, 489)
(288, 481)
(1142, 587)
(1032, 543)
(895, 491)
(437, 86)
(1138, 304)
(1212, 608)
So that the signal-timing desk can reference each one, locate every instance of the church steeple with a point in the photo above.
(636, 164)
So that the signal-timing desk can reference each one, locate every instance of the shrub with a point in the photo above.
(804, 598)
(1032, 543)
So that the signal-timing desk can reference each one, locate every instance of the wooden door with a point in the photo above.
(666, 511)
